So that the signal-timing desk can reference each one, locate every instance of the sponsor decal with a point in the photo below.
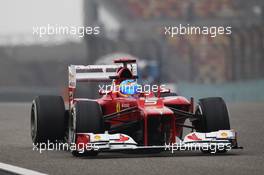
(224, 135)
(125, 105)
(151, 101)
(123, 138)
(193, 137)
(118, 107)
(97, 137)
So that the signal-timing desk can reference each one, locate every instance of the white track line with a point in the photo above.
(18, 170)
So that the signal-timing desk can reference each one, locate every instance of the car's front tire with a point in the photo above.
(212, 115)
(88, 119)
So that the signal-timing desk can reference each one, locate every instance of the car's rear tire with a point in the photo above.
(47, 119)
(89, 119)
(213, 115)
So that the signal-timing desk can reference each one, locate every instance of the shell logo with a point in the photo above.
(97, 137)
(224, 134)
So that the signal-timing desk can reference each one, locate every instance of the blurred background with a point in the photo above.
(231, 66)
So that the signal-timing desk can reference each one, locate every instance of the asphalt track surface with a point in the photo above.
(246, 118)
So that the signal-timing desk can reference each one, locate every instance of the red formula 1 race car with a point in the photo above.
(127, 117)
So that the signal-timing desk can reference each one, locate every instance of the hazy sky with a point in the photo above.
(19, 16)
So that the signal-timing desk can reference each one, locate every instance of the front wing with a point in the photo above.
(222, 140)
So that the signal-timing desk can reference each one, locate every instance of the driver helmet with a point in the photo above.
(128, 87)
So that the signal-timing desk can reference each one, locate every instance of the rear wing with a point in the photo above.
(95, 73)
